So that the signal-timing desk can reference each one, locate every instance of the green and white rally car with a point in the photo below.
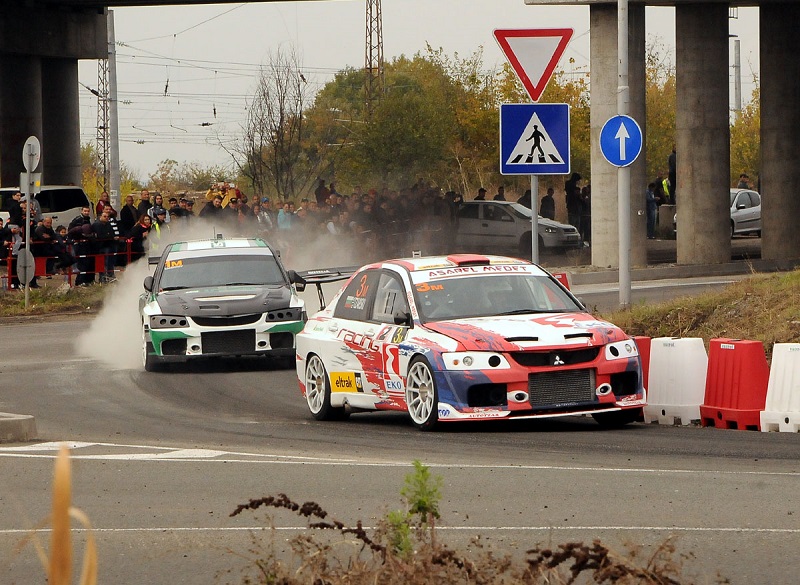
(219, 297)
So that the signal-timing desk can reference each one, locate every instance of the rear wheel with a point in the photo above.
(318, 392)
(422, 397)
(619, 418)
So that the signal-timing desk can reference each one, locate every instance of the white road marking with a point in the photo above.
(176, 454)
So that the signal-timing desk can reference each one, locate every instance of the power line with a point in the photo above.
(193, 26)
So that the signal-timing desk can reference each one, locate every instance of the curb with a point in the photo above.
(680, 271)
(17, 428)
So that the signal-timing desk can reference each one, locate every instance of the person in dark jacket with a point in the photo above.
(144, 203)
(573, 197)
(525, 199)
(548, 206)
(213, 208)
(80, 231)
(138, 235)
(106, 244)
(128, 215)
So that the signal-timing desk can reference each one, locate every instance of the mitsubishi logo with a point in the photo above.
(557, 361)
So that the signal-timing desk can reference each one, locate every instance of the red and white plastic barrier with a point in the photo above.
(782, 409)
(736, 384)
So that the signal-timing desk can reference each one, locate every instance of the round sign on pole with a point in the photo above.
(26, 266)
(621, 140)
(31, 153)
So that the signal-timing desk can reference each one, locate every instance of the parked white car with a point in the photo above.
(503, 226)
(61, 202)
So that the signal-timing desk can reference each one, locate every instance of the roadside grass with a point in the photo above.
(52, 298)
(762, 308)
(406, 549)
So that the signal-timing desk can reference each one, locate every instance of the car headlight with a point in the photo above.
(168, 322)
(474, 360)
(621, 350)
(550, 230)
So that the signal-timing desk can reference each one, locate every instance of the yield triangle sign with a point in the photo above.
(534, 54)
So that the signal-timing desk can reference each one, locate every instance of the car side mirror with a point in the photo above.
(403, 318)
(297, 280)
(148, 283)
(741, 206)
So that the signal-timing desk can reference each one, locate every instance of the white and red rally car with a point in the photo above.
(465, 337)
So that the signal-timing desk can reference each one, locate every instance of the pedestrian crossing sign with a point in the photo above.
(534, 139)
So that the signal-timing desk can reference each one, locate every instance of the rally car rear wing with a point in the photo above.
(320, 276)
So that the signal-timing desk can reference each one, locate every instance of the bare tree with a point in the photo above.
(271, 151)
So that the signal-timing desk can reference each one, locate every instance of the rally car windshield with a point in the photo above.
(492, 296)
(221, 270)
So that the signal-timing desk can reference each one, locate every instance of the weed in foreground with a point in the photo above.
(404, 549)
(59, 564)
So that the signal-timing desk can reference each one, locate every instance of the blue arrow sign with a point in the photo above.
(534, 139)
(621, 141)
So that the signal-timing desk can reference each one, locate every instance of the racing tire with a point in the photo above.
(524, 247)
(619, 418)
(422, 396)
(150, 361)
(318, 392)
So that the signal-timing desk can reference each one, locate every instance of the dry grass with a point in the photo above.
(51, 299)
(405, 549)
(762, 308)
(367, 557)
(59, 564)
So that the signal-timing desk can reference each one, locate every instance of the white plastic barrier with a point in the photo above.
(782, 409)
(677, 377)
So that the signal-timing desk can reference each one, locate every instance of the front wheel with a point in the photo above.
(318, 392)
(150, 360)
(422, 397)
(619, 418)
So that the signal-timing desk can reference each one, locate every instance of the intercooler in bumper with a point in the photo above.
(562, 389)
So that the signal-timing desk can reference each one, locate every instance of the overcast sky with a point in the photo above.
(184, 74)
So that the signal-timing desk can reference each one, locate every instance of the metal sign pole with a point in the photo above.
(624, 172)
(29, 199)
(534, 219)
(26, 266)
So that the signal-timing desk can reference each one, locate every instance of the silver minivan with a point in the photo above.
(61, 202)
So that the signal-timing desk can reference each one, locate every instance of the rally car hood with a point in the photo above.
(521, 332)
(228, 300)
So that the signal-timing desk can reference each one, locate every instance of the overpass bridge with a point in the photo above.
(42, 40)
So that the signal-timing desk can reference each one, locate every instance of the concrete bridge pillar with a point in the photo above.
(702, 133)
(61, 122)
(604, 59)
(20, 111)
(780, 130)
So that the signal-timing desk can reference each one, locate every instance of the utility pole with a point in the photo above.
(103, 163)
(107, 118)
(373, 58)
(737, 76)
(113, 118)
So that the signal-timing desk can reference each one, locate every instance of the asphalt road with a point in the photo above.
(160, 461)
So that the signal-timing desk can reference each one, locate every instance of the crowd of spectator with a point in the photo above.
(381, 223)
